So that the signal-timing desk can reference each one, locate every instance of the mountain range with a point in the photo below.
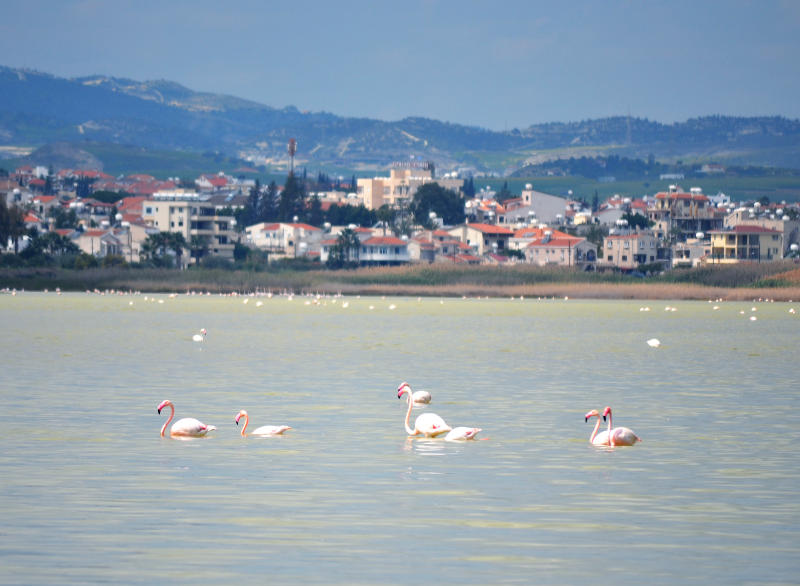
(37, 109)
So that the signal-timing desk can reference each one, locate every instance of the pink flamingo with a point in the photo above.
(462, 433)
(427, 424)
(420, 397)
(619, 436)
(263, 430)
(595, 439)
(186, 427)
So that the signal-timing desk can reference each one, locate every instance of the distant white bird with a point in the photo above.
(200, 337)
(654, 342)
(420, 397)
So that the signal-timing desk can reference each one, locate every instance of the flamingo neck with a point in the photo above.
(596, 428)
(171, 415)
(610, 435)
(409, 431)
(246, 421)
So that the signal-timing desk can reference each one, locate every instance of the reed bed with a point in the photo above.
(745, 282)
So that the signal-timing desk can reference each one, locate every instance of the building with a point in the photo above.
(683, 214)
(744, 243)
(630, 250)
(383, 250)
(550, 209)
(401, 185)
(483, 238)
(284, 239)
(192, 215)
(563, 250)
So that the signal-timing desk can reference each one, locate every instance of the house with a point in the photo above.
(99, 243)
(628, 251)
(286, 239)
(692, 252)
(45, 205)
(546, 208)
(563, 250)
(746, 243)
(383, 250)
(483, 238)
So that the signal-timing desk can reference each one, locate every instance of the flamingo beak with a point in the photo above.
(159, 411)
(585, 419)
(604, 417)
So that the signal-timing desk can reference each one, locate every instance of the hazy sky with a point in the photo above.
(495, 64)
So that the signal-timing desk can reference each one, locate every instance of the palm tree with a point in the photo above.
(350, 245)
(198, 247)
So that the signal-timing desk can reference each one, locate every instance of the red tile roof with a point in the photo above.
(491, 229)
(384, 241)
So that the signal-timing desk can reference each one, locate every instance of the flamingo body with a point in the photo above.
(462, 433)
(420, 397)
(186, 427)
(200, 337)
(264, 430)
(427, 424)
(619, 436)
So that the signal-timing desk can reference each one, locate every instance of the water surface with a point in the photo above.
(91, 493)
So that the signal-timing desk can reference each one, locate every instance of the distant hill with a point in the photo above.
(37, 108)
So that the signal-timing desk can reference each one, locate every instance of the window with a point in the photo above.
(610, 258)
(610, 245)
(624, 257)
(397, 250)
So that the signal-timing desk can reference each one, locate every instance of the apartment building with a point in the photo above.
(192, 214)
(401, 185)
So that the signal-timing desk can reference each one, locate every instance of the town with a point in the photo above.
(220, 218)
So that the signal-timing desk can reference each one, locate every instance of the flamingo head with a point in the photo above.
(239, 415)
(403, 388)
(203, 331)
(163, 404)
(590, 414)
(606, 413)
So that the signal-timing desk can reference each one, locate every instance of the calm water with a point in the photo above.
(90, 492)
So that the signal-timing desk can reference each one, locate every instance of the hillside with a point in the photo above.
(38, 108)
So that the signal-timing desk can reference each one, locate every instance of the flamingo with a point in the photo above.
(420, 397)
(201, 336)
(263, 430)
(462, 433)
(186, 427)
(619, 436)
(427, 424)
(596, 439)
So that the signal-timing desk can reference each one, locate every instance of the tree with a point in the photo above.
(637, 220)
(345, 251)
(156, 247)
(315, 216)
(504, 193)
(198, 247)
(432, 197)
(12, 225)
(292, 201)
(177, 243)
(268, 210)
(386, 216)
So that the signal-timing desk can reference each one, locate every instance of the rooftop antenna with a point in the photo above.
(292, 150)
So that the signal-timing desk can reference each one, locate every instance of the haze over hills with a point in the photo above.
(37, 109)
